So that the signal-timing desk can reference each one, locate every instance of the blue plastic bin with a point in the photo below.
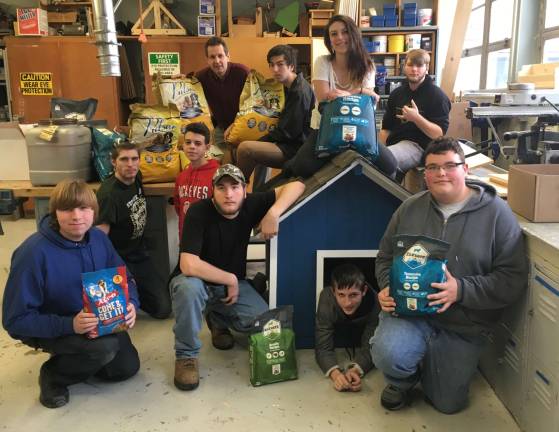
(391, 21)
(377, 21)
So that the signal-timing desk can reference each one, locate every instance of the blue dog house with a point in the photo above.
(343, 213)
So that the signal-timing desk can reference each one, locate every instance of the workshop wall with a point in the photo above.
(186, 11)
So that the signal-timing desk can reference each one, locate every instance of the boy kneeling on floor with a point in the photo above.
(347, 312)
(43, 302)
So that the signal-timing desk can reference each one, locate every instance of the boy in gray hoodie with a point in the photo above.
(486, 271)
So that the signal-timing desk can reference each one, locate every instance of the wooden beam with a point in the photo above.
(157, 9)
(454, 53)
(230, 18)
(218, 17)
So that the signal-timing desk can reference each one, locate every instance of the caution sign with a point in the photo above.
(35, 83)
(166, 63)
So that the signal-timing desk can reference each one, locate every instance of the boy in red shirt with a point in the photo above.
(195, 182)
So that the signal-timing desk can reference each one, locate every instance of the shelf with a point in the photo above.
(65, 3)
(416, 29)
(401, 77)
(391, 53)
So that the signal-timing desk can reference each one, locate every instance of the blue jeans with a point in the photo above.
(192, 296)
(408, 350)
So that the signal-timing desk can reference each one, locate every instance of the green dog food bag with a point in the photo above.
(272, 347)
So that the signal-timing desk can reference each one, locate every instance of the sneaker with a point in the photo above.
(393, 398)
(222, 339)
(52, 395)
(186, 374)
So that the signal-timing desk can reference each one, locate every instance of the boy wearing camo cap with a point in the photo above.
(210, 276)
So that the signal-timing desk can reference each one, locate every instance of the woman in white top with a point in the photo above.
(347, 70)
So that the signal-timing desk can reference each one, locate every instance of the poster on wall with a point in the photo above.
(35, 83)
(166, 63)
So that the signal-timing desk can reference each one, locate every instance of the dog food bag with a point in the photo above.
(187, 97)
(148, 120)
(272, 347)
(160, 161)
(105, 293)
(260, 105)
(418, 261)
(348, 122)
(102, 143)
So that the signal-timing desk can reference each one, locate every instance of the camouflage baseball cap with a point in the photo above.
(228, 170)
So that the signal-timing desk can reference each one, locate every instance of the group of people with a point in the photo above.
(486, 268)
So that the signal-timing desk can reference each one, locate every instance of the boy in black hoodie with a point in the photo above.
(346, 311)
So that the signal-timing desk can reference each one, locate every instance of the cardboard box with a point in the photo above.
(32, 22)
(534, 192)
(14, 163)
(62, 17)
(206, 25)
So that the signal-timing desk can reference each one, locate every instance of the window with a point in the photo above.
(474, 32)
(551, 51)
(468, 74)
(549, 35)
(497, 69)
(501, 20)
(486, 55)
(551, 13)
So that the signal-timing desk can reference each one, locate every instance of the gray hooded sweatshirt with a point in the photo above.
(486, 255)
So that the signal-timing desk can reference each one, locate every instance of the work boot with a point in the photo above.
(51, 395)
(186, 373)
(222, 339)
(393, 398)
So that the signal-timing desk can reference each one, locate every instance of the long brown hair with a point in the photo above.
(358, 61)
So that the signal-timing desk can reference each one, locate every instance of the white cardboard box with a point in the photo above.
(14, 164)
(206, 25)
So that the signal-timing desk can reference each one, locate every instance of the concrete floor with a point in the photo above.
(225, 400)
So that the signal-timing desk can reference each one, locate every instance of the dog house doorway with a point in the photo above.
(327, 260)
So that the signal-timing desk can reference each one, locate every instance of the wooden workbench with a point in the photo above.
(24, 188)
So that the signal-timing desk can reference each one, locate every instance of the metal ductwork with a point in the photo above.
(105, 38)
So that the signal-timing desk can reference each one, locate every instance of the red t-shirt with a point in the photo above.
(191, 185)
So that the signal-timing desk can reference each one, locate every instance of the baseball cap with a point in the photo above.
(228, 170)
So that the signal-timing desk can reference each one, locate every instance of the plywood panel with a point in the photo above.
(32, 54)
(76, 75)
(82, 79)
(248, 51)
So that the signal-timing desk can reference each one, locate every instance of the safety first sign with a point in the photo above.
(35, 83)
(166, 63)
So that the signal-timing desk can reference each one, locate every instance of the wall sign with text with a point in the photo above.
(166, 63)
(35, 83)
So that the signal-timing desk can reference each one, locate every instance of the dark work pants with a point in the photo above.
(152, 288)
(75, 358)
(305, 163)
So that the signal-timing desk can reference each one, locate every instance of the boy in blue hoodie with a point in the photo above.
(43, 304)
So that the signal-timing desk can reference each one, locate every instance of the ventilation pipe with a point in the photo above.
(105, 38)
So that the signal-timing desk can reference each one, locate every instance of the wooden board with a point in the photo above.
(24, 188)
(477, 160)
(454, 52)
(500, 179)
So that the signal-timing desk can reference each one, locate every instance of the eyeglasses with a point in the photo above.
(446, 167)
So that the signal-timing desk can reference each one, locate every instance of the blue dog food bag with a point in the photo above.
(348, 122)
(418, 261)
(105, 293)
